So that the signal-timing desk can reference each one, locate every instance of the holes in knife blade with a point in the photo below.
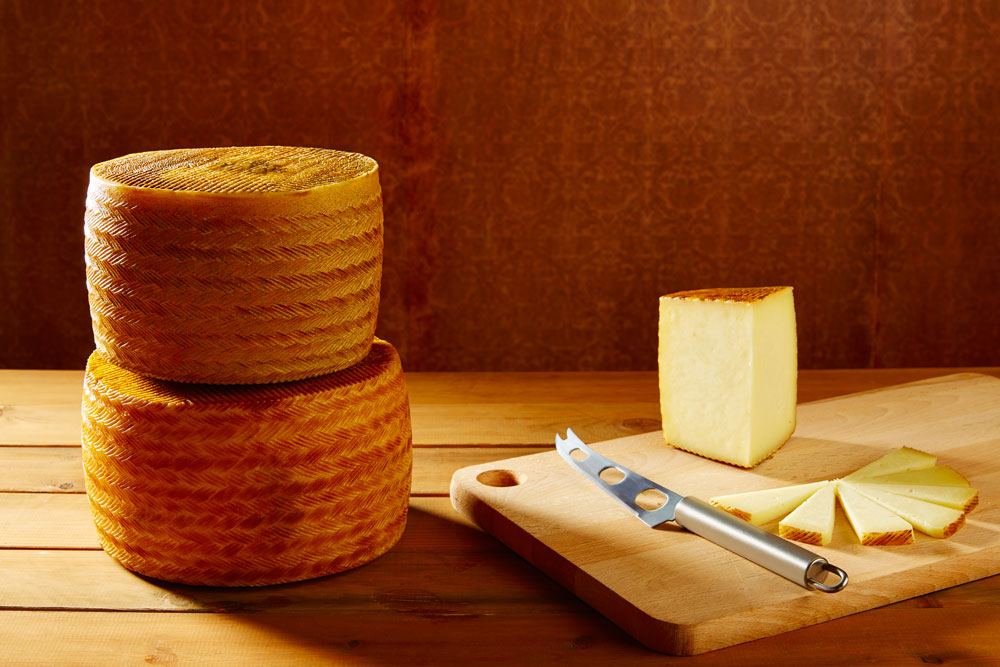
(578, 454)
(651, 499)
(611, 475)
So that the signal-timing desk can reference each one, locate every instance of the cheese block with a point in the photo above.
(935, 520)
(812, 521)
(248, 485)
(933, 476)
(728, 370)
(903, 459)
(963, 498)
(234, 265)
(759, 507)
(873, 524)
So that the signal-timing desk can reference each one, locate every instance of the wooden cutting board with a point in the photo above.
(680, 594)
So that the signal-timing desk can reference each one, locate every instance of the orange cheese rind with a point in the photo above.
(234, 265)
(893, 539)
(248, 485)
(804, 536)
(936, 510)
(730, 294)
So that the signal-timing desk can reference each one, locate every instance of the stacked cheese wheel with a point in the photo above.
(241, 424)
(883, 501)
(234, 265)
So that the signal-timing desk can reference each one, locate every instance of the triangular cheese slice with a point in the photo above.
(812, 521)
(936, 476)
(958, 497)
(872, 523)
(898, 460)
(935, 520)
(759, 507)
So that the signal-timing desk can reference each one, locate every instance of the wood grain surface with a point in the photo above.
(548, 514)
(447, 593)
(549, 168)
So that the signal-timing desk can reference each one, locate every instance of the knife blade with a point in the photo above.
(655, 504)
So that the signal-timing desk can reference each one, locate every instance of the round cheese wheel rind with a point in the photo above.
(248, 485)
(234, 265)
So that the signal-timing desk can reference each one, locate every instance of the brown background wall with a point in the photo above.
(550, 168)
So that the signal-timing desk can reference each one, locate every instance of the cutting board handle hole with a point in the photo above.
(651, 499)
(612, 475)
(499, 478)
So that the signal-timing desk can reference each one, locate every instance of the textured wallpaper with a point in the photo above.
(550, 168)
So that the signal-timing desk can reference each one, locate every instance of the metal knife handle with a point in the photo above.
(767, 550)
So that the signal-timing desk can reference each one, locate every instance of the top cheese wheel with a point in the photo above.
(234, 265)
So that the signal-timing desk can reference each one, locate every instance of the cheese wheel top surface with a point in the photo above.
(731, 294)
(128, 386)
(236, 170)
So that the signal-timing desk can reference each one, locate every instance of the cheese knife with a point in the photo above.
(778, 555)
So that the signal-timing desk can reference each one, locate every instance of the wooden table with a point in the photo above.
(446, 594)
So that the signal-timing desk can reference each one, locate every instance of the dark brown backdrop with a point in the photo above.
(550, 168)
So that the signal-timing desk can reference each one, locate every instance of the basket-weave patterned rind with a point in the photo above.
(248, 485)
(234, 265)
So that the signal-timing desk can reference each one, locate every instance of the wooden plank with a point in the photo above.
(62, 520)
(717, 598)
(40, 407)
(441, 557)
(41, 469)
(420, 634)
(43, 407)
(462, 571)
(818, 384)
(59, 469)
(46, 521)
(529, 423)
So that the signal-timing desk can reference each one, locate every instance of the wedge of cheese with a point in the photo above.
(936, 476)
(872, 523)
(728, 370)
(963, 498)
(812, 521)
(898, 460)
(935, 520)
(759, 507)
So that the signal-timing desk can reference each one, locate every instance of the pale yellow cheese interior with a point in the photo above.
(759, 507)
(728, 370)
(882, 509)
(935, 520)
(813, 520)
(936, 476)
(958, 497)
(899, 460)
(872, 523)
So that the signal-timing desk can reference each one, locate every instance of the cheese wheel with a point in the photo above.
(248, 485)
(234, 265)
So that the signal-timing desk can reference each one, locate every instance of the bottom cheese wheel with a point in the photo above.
(228, 485)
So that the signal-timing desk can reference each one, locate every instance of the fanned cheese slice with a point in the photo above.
(759, 507)
(898, 460)
(936, 475)
(872, 523)
(958, 497)
(935, 520)
(812, 521)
